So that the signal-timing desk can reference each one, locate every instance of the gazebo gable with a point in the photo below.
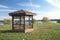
(21, 12)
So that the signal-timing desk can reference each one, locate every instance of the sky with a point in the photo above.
(43, 8)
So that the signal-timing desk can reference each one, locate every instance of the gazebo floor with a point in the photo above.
(29, 30)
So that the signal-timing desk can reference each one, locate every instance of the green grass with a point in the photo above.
(5, 27)
(43, 31)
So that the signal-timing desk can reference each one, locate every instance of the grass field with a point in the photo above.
(43, 31)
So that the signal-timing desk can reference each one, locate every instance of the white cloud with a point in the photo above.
(6, 17)
(55, 3)
(28, 5)
(3, 6)
(40, 14)
(34, 5)
(6, 10)
(53, 15)
(50, 15)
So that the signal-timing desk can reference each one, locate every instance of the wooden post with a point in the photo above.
(20, 21)
(29, 20)
(24, 22)
(12, 22)
(32, 21)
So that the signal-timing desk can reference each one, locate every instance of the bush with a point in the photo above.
(45, 19)
(34, 20)
(7, 21)
(58, 21)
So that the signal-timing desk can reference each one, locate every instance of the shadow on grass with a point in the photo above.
(11, 31)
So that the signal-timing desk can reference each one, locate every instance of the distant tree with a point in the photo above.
(58, 21)
(45, 19)
(34, 20)
(4, 21)
(7, 21)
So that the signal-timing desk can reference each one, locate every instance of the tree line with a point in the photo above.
(44, 19)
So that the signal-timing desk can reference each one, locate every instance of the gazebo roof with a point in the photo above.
(21, 12)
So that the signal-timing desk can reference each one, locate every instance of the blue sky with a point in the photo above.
(43, 8)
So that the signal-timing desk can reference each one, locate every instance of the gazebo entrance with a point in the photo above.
(22, 20)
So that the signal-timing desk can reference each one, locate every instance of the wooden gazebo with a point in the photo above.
(22, 20)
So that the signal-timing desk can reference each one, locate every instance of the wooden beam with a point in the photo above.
(12, 22)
